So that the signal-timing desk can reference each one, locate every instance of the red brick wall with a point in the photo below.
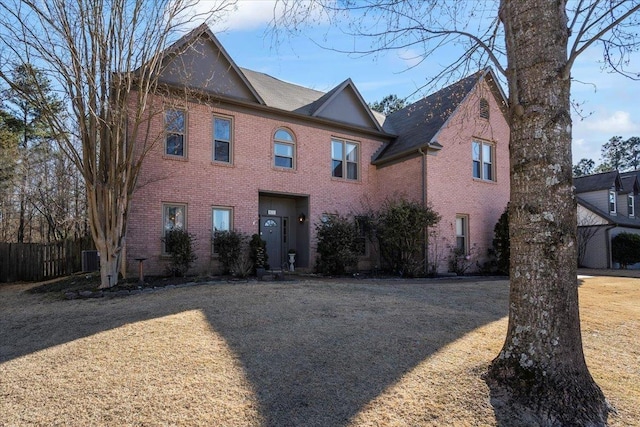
(201, 183)
(451, 188)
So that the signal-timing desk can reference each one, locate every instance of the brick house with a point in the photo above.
(249, 152)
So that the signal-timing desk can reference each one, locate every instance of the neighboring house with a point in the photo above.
(607, 206)
(249, 152)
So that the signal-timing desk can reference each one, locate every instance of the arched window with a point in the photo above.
(284, 149)
(484, 109)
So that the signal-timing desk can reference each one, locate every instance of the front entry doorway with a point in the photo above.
(271, 232)
(284, 226)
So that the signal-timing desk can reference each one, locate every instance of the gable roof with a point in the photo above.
(418, 124)
(630, 182)
(204, 63)
(600, 181)
(331, 100)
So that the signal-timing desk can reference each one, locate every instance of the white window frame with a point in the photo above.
(180, 132)
(613, 202)
(228, 141)
(344, 159)
(166, 221)
(290, 143)
(631, 205)
(481, 161)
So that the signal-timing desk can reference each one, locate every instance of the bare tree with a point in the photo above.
(105, 58)
(540, 376)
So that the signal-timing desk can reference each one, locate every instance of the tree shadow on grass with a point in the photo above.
(316, 353)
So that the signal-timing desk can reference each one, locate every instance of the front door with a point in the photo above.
(271, 232)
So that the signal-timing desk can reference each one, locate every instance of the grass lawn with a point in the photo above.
(299, 353)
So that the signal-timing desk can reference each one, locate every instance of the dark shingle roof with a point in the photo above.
(279, 94)
(630, 181)
(419, 122)
(620, 220)
(600, 181)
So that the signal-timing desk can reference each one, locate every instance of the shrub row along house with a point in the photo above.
(607, 207)
(248, 152)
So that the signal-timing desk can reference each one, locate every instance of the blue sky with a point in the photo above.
(609, 101)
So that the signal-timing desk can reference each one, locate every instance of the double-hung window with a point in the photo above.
(462, 234)
(344, 159)
(631, 203)
(284, 147)
(222, 143)
(483, 154)
(174, 217)
(175, 130)
(613, 205)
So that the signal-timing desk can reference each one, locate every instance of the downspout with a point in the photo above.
(607, 240)
(425, 243)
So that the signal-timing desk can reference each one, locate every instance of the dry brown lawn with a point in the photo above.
(304, 353)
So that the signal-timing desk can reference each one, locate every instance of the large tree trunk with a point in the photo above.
(540, 376)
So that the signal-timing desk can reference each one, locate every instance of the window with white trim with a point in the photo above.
(175, 132)
(483, 154)
(222, 139)
(344, 159)
(462, 233)
(613, 208)
(631, 205)
(174, 217)
(284, 149)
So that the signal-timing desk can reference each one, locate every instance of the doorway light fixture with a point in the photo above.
(301, 218)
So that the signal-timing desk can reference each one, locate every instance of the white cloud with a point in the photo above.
(590, 133)
(410, 57)
(619, 123)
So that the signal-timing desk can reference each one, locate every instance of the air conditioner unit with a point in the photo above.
(90, 261)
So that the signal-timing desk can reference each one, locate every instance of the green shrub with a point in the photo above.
(337, 240)
(228, 246)
(625, 249)
(180, 245)
(400, 228)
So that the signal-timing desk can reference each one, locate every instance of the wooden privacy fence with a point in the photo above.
(33, 262)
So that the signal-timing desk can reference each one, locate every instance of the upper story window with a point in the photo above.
(174, 217)
(284, 148)
(613, 202)
(344, 159)
(483, 155)
(222, 139)
(631, 204)
(175, 130)
(484, 109)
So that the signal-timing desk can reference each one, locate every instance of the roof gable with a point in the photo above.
(199, 61)
(344, 104)
(417, 125)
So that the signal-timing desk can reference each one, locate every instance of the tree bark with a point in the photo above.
(540, 376)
